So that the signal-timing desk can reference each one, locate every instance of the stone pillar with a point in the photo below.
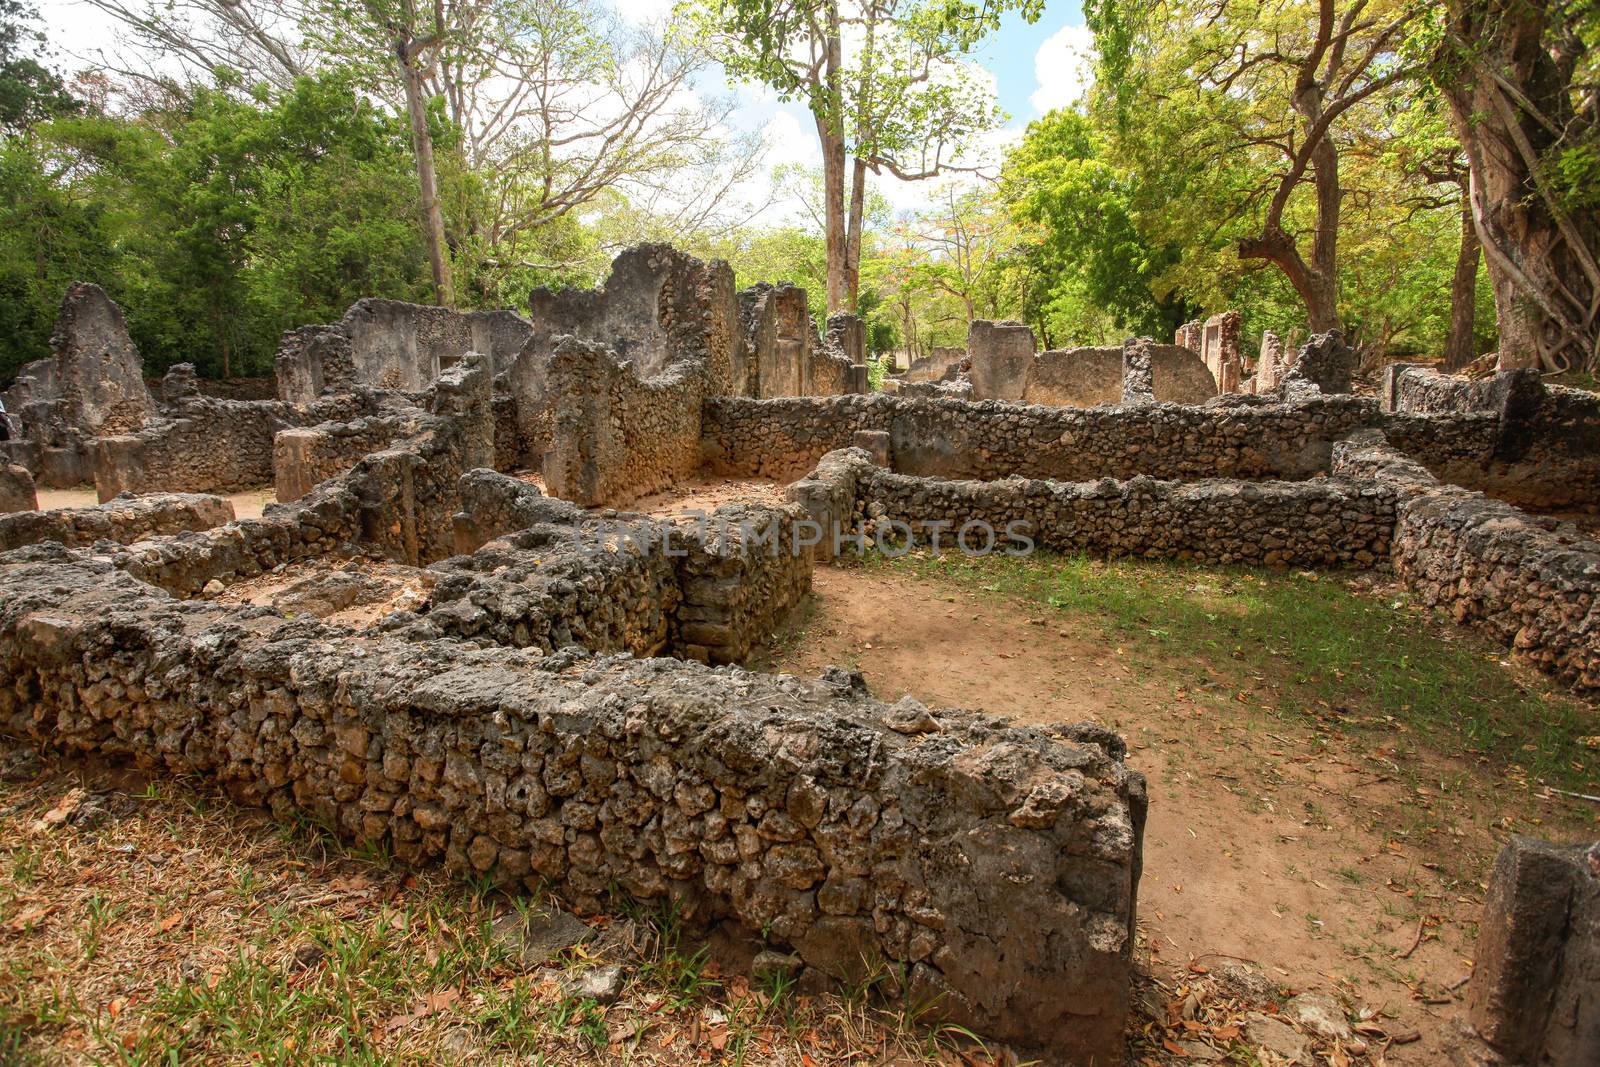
(1138, 384)
(1269, 370)
(1000, 354)
(1535, 990)
(16, 489)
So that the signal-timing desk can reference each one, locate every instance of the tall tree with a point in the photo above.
(1241, 62)
(1524, 90)
(885, 87)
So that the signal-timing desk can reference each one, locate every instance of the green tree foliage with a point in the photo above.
(217, 224)
(29, 91)
(1088, 256)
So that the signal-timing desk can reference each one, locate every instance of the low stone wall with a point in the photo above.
(397, 504)
(707, 590)
(994, 867)
(209, 445)
(303, 457)
(1545, 450)
(618, 436)
(1531, 583)
(123, 519)
(1316, 523)
(783, 439)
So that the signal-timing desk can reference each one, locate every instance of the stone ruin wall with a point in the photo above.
(617, 436)
(1531, 583)
(1087, 377)
(1000, 354)
(1218, 341)
(391, 345)
(205, 444)
(92, 383)
(123, 520)
(1321, 523)
(304, 457)
(785, 438)
(807, 812)
(782, 354)
(1544, 454)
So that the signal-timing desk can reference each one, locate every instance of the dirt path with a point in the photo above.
(1317, 855)
(246, 504)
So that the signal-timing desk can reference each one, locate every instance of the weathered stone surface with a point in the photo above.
(1535, 989)
(1000, 354)
(16, 489)
(1086, 377)
(1325, 361)
(123, 519)
(782, 354)
(98, 372)
(656, 776)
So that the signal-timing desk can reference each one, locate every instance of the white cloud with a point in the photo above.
(1064, 67)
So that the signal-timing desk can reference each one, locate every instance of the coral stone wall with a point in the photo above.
(303, 457)
(617, 436)
(206, 444)
(994, 866)
(1316, 523)
(1531, 583)
(121, 519)
(1545, 451)
(785, 438)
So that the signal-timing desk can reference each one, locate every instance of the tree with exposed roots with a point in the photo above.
(1523, 81)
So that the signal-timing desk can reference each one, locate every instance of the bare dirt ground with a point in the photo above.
(706, 495)
(356, 593)
(1350, 865)
(246, 504)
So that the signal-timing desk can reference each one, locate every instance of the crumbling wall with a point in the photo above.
(93, 383)
(1314, 523)
(1000, 354)
(1545, 447)
(97, 370)
(1074, 377)
(931, 367)
(123, 519)
(391, 345)
(994, 866)
(205, 444)
(783, 355)
(1531, 583)
(784, 438)
(617, 436)
(1217, 339)
(304, 456)
(398, 503)
(658, 308)
(1087, 377)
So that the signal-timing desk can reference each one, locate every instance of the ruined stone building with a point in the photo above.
(562, 702)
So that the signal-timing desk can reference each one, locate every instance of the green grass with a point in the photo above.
(1344, 659)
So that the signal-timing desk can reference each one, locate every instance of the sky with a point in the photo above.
(1032, 68)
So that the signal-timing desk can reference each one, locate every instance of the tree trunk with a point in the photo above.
(1510, 103)
(1459, 346)
(852, 250)
(830, 128)
(422, 145)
